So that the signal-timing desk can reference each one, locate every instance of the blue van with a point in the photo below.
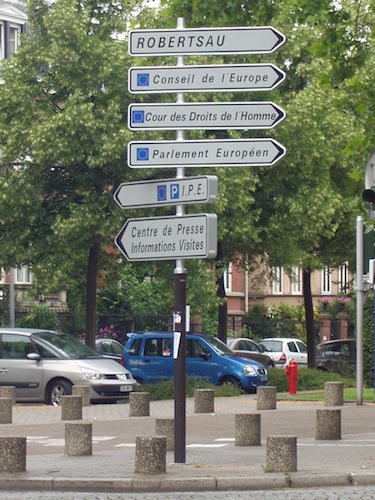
(149, 358)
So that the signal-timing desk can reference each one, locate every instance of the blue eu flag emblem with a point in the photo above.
(143, 154)
(143, 79)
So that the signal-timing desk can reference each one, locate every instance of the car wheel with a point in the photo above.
(232, 382)
(56, 389)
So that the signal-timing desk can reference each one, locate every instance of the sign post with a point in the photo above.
(184, 236)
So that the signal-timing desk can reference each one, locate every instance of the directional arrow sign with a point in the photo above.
(215, 153)
(229, 115)
(157, 193)
(220, 78)
(169, 238)
(239, 40)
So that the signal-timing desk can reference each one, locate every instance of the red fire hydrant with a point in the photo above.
(291, 371)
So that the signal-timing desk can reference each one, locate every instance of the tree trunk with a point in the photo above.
(91, 282)
(309, 316)
(223, 307)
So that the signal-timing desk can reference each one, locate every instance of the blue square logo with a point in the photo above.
(143, 80)
(143, 154)
(162, 192)
(138, 116)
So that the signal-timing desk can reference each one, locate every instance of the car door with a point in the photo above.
(17, 370)
(200, 361)
(156, 361)
(299, 352)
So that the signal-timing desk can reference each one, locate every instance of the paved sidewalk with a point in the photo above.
(213, 462)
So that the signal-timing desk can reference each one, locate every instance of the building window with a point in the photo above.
(326, 281)
(344, 278)
(277, 283)
(228, 278)
(296, 279)
(13, 39)
(1, 41)
(23, 275)
(2, 275)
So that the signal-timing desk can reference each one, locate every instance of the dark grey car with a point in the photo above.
(334, 353)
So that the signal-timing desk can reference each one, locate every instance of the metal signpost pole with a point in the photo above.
(359, 311)
(179, 323)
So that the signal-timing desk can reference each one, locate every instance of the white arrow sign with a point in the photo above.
(169, 238)
(215, 153)
(237, 40)
(220, 78)
(156, 193)
(229, 115)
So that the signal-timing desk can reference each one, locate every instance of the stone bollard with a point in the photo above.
(6, 405)
(281, 455)
(139, 404)
(8, 391)
(334, 393)
(150, 454)
(247, 429)
(71, 407)
(12, 454)
(204, 401)
(84, 391)
(78, 439)
(328, 424)
(165, 427)
(266, 398)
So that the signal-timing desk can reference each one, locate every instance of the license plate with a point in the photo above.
(126, 388)
(263, 378)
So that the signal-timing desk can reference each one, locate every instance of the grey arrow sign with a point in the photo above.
(219, 78)
(221, 116)
(169, 238)
(237, 40)
(210, 153)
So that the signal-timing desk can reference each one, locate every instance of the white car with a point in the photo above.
(283, 350)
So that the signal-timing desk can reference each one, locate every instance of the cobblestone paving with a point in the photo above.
(347, 493)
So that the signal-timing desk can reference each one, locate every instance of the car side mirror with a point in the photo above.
(34, 356)
(205, 355)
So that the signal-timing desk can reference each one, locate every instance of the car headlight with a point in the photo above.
(249, 370)
(91, 375)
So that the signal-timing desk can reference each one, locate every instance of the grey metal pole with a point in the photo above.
(12, 303)
(359, 311)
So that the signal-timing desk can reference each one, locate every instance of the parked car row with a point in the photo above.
(44, 365)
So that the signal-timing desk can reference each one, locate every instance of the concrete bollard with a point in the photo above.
(78, 439)
(12, 454)
(6, 405)
(266, 398)
(334, 393)
(84, 391)
(247, 429)
(8, 391)
(281, 455)
(328, 424)
(150, 454)
(204, 401)
(71, 407)
(139, 404)
(165, 427)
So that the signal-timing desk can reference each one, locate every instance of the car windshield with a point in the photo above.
(68, 345)
(272, 345)
(218, 346)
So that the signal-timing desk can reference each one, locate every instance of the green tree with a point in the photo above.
(63, 134)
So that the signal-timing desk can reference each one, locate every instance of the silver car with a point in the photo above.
(43, 365)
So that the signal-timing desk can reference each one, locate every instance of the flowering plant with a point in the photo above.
(343, 300)
(108, 332)
(326, 300)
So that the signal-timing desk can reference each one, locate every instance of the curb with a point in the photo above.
(161, 483)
